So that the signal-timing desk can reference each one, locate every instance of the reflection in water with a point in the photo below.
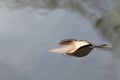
(26, 36)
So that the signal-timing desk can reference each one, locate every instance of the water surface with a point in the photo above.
(26, 35)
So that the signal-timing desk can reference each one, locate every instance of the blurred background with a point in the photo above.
(29, 28)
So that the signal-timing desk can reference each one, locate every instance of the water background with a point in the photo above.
(26, 35)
